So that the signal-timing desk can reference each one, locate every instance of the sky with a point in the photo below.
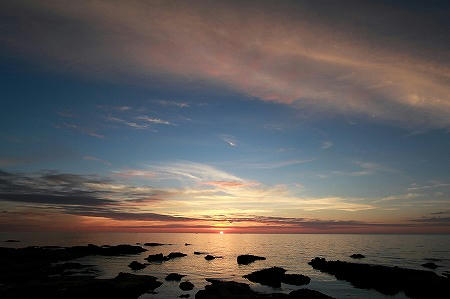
(235, 116)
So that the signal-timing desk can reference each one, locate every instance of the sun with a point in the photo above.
(221, 232)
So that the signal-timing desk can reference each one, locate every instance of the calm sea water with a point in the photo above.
(292, 252)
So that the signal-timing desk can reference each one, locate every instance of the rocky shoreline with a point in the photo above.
(49, 272)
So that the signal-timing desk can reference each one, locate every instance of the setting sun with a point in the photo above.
(221, 233)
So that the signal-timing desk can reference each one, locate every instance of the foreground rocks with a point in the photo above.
(246, 259)
(275, 276)
(387, 280)
(124, 285)
(234, 290)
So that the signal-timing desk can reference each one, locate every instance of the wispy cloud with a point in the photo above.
(173, 103)
(85, 130)
(326, 145)
(153, 120)
(404, 80)
(128, 123)
(230, 140)
(92, 158)
(129, 173)
(366, 168)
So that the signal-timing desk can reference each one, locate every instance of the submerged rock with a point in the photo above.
(155, 257)
(187, 244)
(270, 276)
(173, 255)
(295, 279)
(199, 252)
(174, 277)
(135, 265)
(430, 265)
(12, 241)
(186, 285)
(219, 289)
(246, 259)
(357, 256)
(387, 280)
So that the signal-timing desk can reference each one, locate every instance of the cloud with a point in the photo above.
(127, 123)
(173, 103)
(230, 140)
(394, 68)
(225, 184)
(134, 173)
(92, 158)
(366, 168)
(153, 120)
(85, 130)
(272, 165)
(326, 145)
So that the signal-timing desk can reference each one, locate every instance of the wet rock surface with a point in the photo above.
(219, 289)
(246, 259)
(387, 280)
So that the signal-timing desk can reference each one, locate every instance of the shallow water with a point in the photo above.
(290, 251)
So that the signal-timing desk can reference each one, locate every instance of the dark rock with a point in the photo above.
(387, 280)
(430, 266)
(186, 285)
(184, 296)
(12, 241)
(125, 285)
(174, 277)
(199, 253)
(295, 279)
(433, 259)
(135, 265)
(308, 294)
(154, 244)
(357, 256)
(187, 244)
(270, 276)
(173, 255)
(246, 259)
(446, 274)
(155, 257)
(234, 290)
(212, 257)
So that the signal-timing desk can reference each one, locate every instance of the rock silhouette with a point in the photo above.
(155, 257)
(246, 259)
(219, 289)
(357, 256)
(275, 276)
(174, 277)
(135, 265)
(186, 285)
(430, 265)
(387, 280)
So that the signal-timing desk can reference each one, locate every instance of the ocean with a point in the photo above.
(290, 251)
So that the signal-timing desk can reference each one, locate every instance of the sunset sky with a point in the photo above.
(237, 116)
